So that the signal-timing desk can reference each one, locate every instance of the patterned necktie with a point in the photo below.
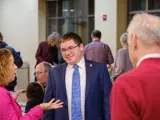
(76, 95)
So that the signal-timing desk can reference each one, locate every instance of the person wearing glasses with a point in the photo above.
(83, 85)
(41, 72)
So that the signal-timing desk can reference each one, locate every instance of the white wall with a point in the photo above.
(19, 25)
(109, 27)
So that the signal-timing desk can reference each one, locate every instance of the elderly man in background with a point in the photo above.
(97, 50)
(41, 71)
(122, 61)
(136, 94)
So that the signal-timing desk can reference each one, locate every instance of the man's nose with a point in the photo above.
(15, 66)
(67, 52)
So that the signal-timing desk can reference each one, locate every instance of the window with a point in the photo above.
(153, 4)
(139, 6)
(51, 9)
(71, 16)
(136, 5)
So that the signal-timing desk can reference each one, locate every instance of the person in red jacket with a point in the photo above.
(136, 94)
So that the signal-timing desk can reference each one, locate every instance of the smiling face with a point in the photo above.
(71, 52)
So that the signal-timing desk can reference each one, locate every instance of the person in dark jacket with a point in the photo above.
(34, 94)
(17, 60)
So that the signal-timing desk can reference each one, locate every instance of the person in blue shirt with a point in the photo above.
(17, 59)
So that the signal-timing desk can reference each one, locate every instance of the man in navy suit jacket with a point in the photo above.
(95, 84)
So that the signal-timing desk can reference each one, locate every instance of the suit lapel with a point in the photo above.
(89, 73)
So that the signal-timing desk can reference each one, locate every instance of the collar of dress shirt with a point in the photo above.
(41, 85)
(80, 64)
(96, 40)
(153, 55)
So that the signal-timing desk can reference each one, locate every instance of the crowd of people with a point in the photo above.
(73, 82)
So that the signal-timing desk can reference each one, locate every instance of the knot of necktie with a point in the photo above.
(76, 66)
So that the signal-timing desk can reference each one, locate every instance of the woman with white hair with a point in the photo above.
(122, 61)
(48, 50)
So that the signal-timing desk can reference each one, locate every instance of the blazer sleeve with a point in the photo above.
(106, 85)
(35, 113)
(49, 94)
(11, 111)
(30, 105)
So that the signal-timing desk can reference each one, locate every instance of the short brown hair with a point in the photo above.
(71, 36)
(96, 33)
(5, 61)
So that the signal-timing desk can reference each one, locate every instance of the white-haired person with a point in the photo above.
(48, 50)
(136, 94)
(10, 110)
(122, 62)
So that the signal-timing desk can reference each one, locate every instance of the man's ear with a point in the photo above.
(81, 46)
(134, 40)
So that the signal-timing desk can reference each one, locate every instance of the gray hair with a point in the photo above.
(123, 37)
(47, 65)
(53, 36)
(146, 27)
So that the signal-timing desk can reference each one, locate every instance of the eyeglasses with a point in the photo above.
(68, 49)
(40, 72)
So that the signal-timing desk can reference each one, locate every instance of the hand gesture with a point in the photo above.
(17, 93)
(52, 105)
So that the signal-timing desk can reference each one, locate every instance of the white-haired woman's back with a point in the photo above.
(122, 61)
